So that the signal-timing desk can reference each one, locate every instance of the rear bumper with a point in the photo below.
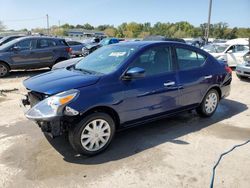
(243, 70)
(225, 91)
(226, 86)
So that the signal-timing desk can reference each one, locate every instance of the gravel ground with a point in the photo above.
(174, 152)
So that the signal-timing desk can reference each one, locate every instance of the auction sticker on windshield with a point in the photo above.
(117, 54)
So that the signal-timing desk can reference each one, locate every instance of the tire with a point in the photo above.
(59, 60)
(209, 104)
(4, 70)
(86, 140)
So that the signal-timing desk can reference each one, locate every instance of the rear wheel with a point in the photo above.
(4, 70)
(60, 59)
(93, 134)
(209, 103)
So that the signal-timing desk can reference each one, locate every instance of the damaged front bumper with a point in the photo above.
(53, 120)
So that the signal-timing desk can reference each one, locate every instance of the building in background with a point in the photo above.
(83, 33)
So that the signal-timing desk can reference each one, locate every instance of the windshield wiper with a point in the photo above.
(83, 70)
(86, 71)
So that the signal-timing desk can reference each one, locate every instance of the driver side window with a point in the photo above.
(156, 60)
(24, 45)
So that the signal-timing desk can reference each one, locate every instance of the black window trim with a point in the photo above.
(174, 67)
(191, 49)
(28, 39)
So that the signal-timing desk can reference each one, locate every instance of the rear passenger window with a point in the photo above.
(188, 59)
(52, 43)
(154, 61)
(43, 43)
(73, 43)
(62, 43)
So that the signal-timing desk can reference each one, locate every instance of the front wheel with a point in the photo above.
(209, 104)
(93, 134)
(4, 70)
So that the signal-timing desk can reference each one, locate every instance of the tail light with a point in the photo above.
(228, 69)
(69, 50)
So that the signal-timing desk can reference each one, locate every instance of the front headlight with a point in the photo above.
(52, 106)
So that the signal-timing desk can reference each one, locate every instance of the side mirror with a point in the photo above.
(15, 48)
(133, 73)
(230, 51)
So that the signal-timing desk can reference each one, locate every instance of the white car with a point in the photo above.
(243, 70)
(231, 53)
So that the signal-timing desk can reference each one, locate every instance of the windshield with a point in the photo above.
(106, 59)
(104, 42)
(215, 48)
(8, 44)
(2, 39)
(220, 49)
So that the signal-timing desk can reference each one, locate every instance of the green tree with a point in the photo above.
(88, 26)
(219, 30)
(111, 32)
(103, 27)
(67, 26)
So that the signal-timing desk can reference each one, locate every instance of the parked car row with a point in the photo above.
(13, 55)
(29, 52)
(231, 52)
(32, 52)
(94, 46)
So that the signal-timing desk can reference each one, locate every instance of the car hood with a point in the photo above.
(67, 63)
(89, 46)
(60, 80)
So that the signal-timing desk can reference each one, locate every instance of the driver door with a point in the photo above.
(155, 93)
(22, 54)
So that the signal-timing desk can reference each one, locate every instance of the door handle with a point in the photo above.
(207, 77)
(167, 84)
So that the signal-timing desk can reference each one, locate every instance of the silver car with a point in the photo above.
(243, 70)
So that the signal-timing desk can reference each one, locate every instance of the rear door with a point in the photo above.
(193, 76)
(155, 93)
(45, 51)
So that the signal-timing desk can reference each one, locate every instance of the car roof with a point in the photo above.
(145, 43)
(39, 37)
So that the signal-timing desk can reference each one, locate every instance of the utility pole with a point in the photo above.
(59, 24)
(47, 16)
(208, 21)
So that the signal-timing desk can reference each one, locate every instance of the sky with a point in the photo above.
(19, 14)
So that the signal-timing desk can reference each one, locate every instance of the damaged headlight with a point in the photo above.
(52, 106)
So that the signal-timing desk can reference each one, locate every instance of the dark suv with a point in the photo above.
(32, 52)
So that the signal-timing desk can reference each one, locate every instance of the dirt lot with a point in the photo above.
(175, 152)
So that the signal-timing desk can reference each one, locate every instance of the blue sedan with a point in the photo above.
(123, 85)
